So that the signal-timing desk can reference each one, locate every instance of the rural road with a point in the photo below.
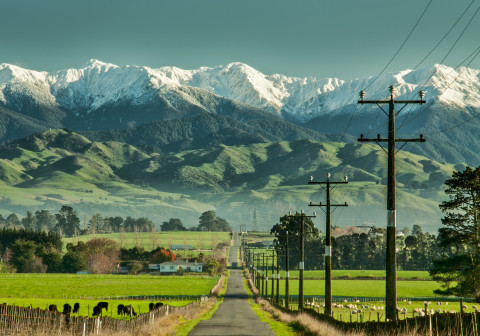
(234, 316)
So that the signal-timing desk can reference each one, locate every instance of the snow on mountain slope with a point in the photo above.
(97, 84)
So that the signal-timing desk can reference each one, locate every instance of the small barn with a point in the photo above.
(175, 266)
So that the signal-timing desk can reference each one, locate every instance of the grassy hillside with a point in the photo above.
(60, 167)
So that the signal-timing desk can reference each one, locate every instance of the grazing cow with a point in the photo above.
(103, 304)
(52, 308)
(158, 304)
(128, 310)
(67, 309)
(76, 307)
(151, 306)
(120, 308)
(97, 311)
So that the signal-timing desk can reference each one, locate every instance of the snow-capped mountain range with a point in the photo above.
(98, 84)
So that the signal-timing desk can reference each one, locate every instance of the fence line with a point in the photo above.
(25, 320)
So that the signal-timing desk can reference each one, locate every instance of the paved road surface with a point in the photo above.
(234, 316)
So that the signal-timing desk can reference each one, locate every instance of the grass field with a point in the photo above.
(95, 286)
(361, 274)
(201, 241)
(362, 288)
(86, 306)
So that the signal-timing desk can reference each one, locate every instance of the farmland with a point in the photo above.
(41, 290)
(362, 288)
(201, 241)
(96, 286)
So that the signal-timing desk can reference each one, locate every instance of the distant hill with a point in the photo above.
(204, 131)
(57, 167)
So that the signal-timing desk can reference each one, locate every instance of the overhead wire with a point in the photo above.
(444, 36)
(401, 46)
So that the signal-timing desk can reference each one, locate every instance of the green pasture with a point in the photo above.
(360, 288)
(99, 286)
(375, 310)
(201, 241)
(86, 306)
(359, 274)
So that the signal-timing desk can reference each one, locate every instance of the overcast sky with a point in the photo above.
(323, 38)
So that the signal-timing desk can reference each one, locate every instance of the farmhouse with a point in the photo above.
(175, 266)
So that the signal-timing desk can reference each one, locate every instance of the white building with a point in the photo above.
(174, 266)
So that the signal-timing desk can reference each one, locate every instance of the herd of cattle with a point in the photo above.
(122, 310)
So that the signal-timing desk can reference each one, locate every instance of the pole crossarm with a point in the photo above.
(379, 139)
(387, 101)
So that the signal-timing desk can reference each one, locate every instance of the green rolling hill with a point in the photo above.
(59, 167)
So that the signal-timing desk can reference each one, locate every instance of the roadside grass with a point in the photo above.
(89, 286)
(278, 327)
(186, 326)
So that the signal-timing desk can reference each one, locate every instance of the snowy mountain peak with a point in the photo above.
(98, 83)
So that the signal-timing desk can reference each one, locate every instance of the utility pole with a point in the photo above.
(301, 264)
(287, 275)
(263, 274)
(391, 271)
(278, 273)
(273, 276)
(266, 278)
(328, 239)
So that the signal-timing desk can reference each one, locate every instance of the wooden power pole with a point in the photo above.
(391, 271)
(328, 239)
(301, 264)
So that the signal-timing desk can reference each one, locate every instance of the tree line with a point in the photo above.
(67, 223)
(355, 250)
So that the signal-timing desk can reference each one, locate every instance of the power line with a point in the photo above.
(401, 46)
(444, 36)
(473, 55)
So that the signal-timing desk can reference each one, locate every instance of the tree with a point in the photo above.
(95, 224)
(173, 224)
(459, 271)
(23, 255)
(13, 221)
(162, 255)
(209, 221)
(68, 223)
(29, 222)
(45, 221)
(73, 262)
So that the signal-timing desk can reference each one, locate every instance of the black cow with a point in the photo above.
(97, 311)
(158, 304)
(103, 304)
(67, 309)
(76, 307)
(120, 308)
(52, 308)
(151, 306)
(128, 310)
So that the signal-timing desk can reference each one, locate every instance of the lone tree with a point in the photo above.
(173, 224)
(459, 270)
(209, 221)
